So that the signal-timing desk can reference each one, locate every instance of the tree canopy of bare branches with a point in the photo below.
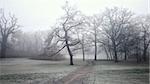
(8, 26)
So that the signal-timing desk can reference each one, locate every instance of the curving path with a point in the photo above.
(79, 76)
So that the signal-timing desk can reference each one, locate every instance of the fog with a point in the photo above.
(36, 28)
(35, 15)
(74, 41)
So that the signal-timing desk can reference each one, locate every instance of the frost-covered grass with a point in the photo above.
(26, 71)
(119, 73)
(31, 78)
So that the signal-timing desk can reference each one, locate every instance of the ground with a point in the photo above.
(120, 73)
(27, 71)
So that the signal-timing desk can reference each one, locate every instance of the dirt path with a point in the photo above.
(79, 76)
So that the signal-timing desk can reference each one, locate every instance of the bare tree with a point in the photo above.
(67, 25)
(8, 26)
(145, 26)
(136, 39)
(106, 45)
(83, 46)
(94, 24)
(115, 21)
(66, 28)
(82, 36)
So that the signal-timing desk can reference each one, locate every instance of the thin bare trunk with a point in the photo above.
(106, 53)
(125, 55)
(95, 42)
(115, 52)
(68, 48)
(83, 53)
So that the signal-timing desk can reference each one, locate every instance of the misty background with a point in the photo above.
(35, 15)
(38, 19)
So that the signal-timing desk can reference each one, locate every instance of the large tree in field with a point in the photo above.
(115, 22)
(8, 26)
(66, 28)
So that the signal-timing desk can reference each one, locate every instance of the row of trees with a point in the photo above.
(121, 33)
(126, 33)
(118, 31)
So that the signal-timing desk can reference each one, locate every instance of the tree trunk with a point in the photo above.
(137, 58)
(116, 58)
(95, 46)
(83, 53)
(137, 52)
(70, 54)
(125, 51)
(82, 44)
(3, 47)
(144, 51)
(68, 48)
(95, 51)
(106, 53)
(144, 54)
(3, 50)
(115, 52)
(125, 55)
(145, 48)
(110, 53)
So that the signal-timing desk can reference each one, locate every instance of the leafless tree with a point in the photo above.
(94, 24)
(66, 29)
(145, 27)
(115, 21)
(8, 26)
(83, 38)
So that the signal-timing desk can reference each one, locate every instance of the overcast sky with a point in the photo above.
(41, 14)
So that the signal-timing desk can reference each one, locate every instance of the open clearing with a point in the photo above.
(27, 71)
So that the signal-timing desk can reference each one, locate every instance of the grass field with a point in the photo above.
(106, 72)
(27, 71)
